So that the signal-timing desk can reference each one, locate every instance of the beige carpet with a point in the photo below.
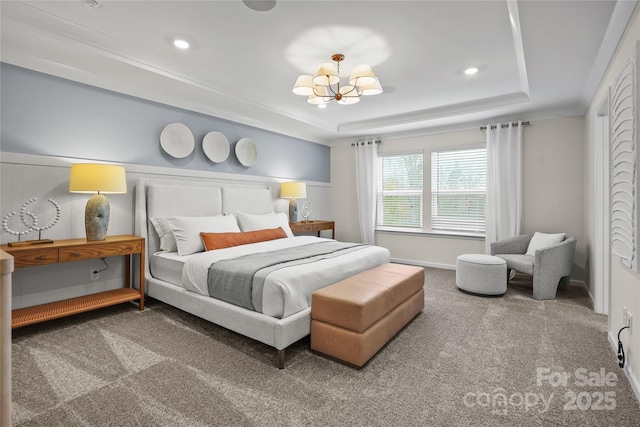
(464, 361)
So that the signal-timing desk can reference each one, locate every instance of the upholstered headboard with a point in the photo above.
(163, 199)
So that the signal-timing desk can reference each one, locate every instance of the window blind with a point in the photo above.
(400, 196)
(458, 190)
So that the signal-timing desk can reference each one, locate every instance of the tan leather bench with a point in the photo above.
(353, 319)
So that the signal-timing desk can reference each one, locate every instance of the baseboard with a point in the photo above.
(453, 267)
(423, 263)
(633, 380)
(628, 372)
(584, 285)
(593, 300)
(581, 283)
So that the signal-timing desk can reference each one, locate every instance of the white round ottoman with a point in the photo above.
(481, 274)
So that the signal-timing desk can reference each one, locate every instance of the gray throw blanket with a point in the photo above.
(236, 280)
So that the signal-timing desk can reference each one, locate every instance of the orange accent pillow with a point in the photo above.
(213, 241)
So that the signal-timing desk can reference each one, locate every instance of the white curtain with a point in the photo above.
(504, 182)
(366, 182)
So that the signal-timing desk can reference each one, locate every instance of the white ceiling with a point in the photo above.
(537, 59)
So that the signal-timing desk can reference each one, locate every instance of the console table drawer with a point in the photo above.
(303, 228)
(316, 225)
(99, 251)
(41, 256)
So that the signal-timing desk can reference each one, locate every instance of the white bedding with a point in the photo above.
(203, 197)
(167, 266)
(288, 290)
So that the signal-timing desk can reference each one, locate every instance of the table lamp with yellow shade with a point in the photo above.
(99, 179)
(293, 190)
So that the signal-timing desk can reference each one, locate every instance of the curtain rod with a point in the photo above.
(505, 125)
(377, 141)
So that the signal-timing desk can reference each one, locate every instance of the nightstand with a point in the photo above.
(62, 251)
(313, 226)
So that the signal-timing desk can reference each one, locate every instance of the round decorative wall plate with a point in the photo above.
(177, 140)
(216, 147)
(246, 151)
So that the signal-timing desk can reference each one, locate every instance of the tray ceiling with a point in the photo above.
(537, 59)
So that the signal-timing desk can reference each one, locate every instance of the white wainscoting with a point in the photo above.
(24, 176)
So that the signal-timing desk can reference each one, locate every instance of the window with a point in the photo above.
(400, 191)
(458, 190)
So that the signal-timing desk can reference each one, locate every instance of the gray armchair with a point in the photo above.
(548, 267)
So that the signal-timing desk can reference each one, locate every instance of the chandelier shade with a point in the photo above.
(319, 95)
(304, 85)
(326, 74)
(347, 99)
(372, 89)
(362, 75)
(324, 86)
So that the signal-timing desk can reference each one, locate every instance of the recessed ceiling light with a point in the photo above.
(92, 4)
(260, 5)
(322, 106)
(471, 71)
(181, 44)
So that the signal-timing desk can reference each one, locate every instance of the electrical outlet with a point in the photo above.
(94, 275)
(626, 318)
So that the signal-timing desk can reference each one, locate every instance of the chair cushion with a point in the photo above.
(521, 263)
(543, 241)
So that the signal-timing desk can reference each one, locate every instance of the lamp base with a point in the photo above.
(96, 217)
(293, 210)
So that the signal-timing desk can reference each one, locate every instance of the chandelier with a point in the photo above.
(325, 86)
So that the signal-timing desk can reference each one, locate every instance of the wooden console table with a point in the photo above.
(313, 226)
(62, 251)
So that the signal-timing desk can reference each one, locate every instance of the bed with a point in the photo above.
(176, 275)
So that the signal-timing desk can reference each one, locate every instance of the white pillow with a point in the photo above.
(165, 232)
(252, 222)
(186, 230)
(543, 241)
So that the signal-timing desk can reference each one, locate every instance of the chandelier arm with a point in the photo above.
(320, 95)
(356, 95)
(331, 88)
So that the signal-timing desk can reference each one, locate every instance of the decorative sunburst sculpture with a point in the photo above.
(306, 210)
(30, 222)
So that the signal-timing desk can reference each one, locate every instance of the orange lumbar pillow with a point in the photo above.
(213, 241)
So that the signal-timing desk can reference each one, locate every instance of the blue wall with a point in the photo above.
(46, 115)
